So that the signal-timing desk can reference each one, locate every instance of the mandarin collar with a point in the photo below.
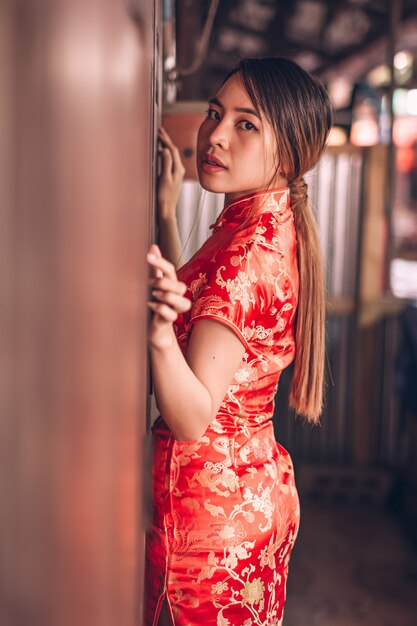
(275, 201)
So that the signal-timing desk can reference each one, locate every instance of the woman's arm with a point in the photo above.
(189, 390)
(169, 240)
(169, 186)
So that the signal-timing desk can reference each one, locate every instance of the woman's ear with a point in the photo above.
(280, 178)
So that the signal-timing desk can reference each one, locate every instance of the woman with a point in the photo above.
(223, 328)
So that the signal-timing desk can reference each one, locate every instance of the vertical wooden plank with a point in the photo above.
(77, 75)
(374, 231)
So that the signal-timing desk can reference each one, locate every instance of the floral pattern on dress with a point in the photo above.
(226, 509)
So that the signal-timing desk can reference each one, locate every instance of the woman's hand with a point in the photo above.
(167, 292)
(170, 179)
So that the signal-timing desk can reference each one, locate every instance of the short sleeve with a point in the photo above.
(245, 287)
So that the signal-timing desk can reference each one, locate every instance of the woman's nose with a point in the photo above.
(219, 136)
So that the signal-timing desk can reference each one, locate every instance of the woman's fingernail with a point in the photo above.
(150, 256)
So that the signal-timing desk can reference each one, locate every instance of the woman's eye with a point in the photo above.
(245, 125)
(213, 114)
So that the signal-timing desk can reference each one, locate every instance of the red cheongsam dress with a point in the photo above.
(225, 506)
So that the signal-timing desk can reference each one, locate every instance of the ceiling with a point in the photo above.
(326, 37)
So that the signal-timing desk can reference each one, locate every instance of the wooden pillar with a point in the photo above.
(394, 27)
(77, 84)
(370, 292)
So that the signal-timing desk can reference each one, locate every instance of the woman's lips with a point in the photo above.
(211, 164)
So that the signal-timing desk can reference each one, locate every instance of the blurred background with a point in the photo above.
(84, 86)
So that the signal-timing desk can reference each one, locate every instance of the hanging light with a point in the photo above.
(364, 130)
(337, 136)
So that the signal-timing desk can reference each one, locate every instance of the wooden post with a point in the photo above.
(394, 26)
(76, 187)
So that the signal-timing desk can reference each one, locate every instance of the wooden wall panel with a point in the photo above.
(76, 188)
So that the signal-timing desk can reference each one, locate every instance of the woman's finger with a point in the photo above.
(178, 166)
(156, 274)
(165, 137)
(159, 263)
(175, 301)
(155, 250)
(168, 143)
(166, 140)
(166, 284)
(163, 310)
(167, 163)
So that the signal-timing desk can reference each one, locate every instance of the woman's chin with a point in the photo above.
(211, 185)
(208, 187)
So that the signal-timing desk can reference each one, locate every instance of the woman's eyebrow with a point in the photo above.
(217, 102)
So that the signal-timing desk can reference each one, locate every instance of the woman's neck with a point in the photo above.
(231, 198)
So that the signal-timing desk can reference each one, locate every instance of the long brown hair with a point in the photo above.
(298, 108)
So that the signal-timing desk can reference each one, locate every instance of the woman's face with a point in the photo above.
(236, 150)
